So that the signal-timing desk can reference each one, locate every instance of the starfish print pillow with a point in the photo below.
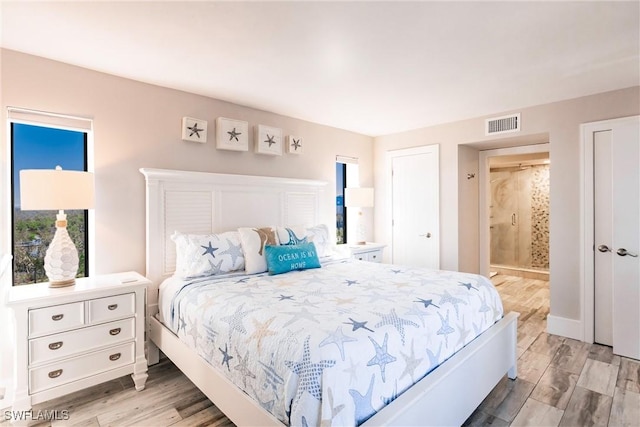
(207, 255)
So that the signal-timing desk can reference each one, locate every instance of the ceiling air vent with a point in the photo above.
(504, 124)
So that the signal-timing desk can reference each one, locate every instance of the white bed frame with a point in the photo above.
(200, 203)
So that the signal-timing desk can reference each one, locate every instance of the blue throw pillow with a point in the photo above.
(281, 259)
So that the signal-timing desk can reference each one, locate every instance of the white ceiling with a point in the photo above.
(370, 67)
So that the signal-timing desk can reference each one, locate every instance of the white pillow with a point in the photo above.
(318, 234)
(253, 242)
(206, 255)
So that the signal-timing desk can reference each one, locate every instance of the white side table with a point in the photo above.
(68, 339)
(371, 252)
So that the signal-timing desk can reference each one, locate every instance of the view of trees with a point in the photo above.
(33, 231)
(34, 146)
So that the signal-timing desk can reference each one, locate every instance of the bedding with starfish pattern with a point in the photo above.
(331, 345)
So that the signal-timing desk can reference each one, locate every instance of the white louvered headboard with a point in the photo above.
(201, 203)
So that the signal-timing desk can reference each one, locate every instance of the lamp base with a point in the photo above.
(62, 283)
(61, 259)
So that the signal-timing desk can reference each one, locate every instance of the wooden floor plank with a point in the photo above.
(587, 408)
(599, 377)
(538, 414)
(555, 387)
(625, 409)
(629, 375)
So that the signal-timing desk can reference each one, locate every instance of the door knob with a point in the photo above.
(428, 235)
(623, 252)
(604, 248)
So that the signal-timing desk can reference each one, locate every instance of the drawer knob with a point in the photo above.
(112, 306)
(115, 356)
(115, 331)
(57, 317)
(55, 345)
(55, 374)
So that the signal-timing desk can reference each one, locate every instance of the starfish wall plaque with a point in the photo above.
(268, 140)
(294, 144)
(232, 134)
(194, 130)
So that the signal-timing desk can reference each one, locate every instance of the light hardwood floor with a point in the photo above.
(560, 382)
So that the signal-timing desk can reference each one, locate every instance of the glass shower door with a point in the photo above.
(504, 219)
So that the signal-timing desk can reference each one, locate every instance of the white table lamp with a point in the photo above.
(46, 189)
(359, 197)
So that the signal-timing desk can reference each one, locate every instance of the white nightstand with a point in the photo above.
(371, 252)
(67, 339)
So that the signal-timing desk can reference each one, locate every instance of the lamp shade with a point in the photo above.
(47, 189)
(358, 197)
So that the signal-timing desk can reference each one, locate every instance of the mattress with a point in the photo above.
(333, 345)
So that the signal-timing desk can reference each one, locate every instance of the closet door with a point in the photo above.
(617, 236)
(603, 235)
(626, 239)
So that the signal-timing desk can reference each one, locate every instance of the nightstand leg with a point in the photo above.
(140, 375)
(139, 380)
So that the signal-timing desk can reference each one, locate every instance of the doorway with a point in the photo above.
(516, 254)
(519, 215)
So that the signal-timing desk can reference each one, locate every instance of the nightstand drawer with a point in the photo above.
(68, 370)
(52, 347)
(370, 256)
(56, 318)
(375, 256)
(109, 308)
(360, 257)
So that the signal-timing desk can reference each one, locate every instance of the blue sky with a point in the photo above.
(36, 147)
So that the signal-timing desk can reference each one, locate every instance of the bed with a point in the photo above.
(391, 372)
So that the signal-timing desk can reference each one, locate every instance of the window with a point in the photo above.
(347, 174)
(44, 146)
(341, 210)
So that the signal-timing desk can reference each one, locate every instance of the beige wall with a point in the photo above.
(139, 125)
(561, 121)
(468, 209)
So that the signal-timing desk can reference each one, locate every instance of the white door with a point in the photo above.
(603, 236)
(617, 236)
(415, 210)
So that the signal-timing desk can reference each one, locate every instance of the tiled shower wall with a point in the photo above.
(540, 217)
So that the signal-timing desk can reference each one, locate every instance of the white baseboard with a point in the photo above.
(565, 327)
